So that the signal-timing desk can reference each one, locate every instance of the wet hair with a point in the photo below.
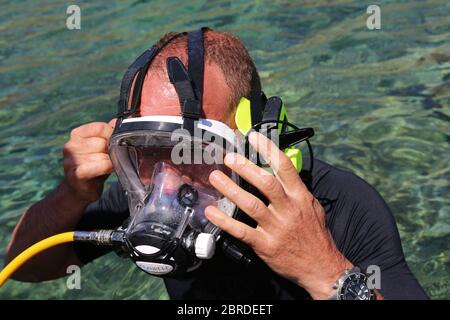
(222, 49)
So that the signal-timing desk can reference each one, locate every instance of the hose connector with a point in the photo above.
(100, 237)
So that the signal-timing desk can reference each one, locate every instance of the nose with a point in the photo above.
(171, 183)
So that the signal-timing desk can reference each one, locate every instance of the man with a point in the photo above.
(308, 236)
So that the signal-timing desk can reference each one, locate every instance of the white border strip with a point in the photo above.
(214, 126)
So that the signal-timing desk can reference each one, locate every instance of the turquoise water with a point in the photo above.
(379, 101)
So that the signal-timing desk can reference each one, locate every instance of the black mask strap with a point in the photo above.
(256, 99)
(192, 109)
(128, 78)
(189, 84)
(137, 70)
(179, 77)
(196, 60)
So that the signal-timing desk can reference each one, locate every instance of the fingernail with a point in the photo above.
(229, 159)
(112, 123)
(210, 213)
(214, 176)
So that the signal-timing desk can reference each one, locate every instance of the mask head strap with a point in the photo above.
(137, 70)
(189, 84)
(128, 78)
(257, 99)
(196, 61)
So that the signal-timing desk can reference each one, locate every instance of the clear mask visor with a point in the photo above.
(167, 197)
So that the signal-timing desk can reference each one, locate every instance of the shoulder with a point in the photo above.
(357, 215)
(332, 184)
(342, 179)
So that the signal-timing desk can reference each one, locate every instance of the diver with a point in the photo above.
(313, 229)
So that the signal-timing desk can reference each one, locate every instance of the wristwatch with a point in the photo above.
(352, 285)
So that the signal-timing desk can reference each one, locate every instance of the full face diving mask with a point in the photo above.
(165, 175)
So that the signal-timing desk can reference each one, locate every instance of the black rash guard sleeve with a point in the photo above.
(360, 222)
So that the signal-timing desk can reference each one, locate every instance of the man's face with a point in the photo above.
(160, 98)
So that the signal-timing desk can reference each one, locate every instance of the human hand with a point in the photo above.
(291, 237)
(86, 160)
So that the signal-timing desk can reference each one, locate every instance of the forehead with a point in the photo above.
(160, 98)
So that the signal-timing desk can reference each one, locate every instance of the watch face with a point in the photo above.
(355, 288)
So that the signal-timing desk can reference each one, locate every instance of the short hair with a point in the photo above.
(222, 49)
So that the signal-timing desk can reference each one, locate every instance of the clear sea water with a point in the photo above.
(379, 101)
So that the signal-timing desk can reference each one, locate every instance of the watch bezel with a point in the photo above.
(349, 276)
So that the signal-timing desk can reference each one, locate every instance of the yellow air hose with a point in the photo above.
(32, 251)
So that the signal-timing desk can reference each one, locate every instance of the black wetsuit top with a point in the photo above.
(360, 222)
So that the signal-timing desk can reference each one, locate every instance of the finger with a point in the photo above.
(86, 146)
(235, 228)
(92, 157)
(278, 161)
(93, 129)
(75, 160)
(266, 182)
(247, 202)
(112, 122)
(94, 169)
